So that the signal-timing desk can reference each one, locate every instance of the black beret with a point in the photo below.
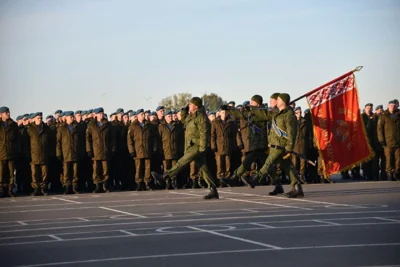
(369, 104)
(58, 111)
(4, 109)
(379, 107)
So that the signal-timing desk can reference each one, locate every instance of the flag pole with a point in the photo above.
(358, 68)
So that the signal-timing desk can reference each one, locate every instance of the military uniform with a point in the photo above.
(370, 168)
(300, 146)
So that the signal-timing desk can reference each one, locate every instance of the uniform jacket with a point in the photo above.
(389, 129)
(171, 139)
(223, 136)
(10, 140)
(198, 129)
(371, 126)
(143, 142)
(99, 140)
(71, 144)
(38, 148)
(301, 136)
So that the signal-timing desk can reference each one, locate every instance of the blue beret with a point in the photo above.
(49, 117)
(20, 117)
(379, 107)
(31, 116)
(246, 103)
(113, 114)
(98, 110)
(129, 111)
(153, 113)
(36, 114)
(396, 101)
(90, 111)
(68, 113)
(58, 111)
(169, 113)
(4, 109)
(159, 108)
(120, 110)
(125, 114)
(78, 112)
(297, 108)
(132, 113)
(62, 114)
(27, 118)
(139, 111)
(147, 111)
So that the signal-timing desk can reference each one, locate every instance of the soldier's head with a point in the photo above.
(4, 113)
(273, 100)
(37, 118)
(153, 116)
(69, 117)
(211, 116)
(283, 101)
(147, 115)
(78, 115)
(99, 114)
(125, 118)
(140, 115)
(174, 116)
(132, 116)
(160, 112)
(239, 107)
(256, 101)
(57, 114)
(19, 120)
(179, 115)
(195, 104)
(391, 106)
(368, 108)
(119, 113)
(49, 119)
(113, 116)
(396, 104)
(231, 104)
(27, 119)
(297, 112)
(223, 114)
(168, 116)
(378, 109)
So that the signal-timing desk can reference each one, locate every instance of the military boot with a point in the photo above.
(160, 179)
(277, 190)
(98, 189)
(75, 189)
(149, 187)
(139, 187)
(168, 185)
(106, 188)
(174, 184)
(213, 193)
(44, 191)
(11, 192)
(232, 181)
(222, 184)
(296, 192)
(195, 184)
(67, 190)
(36, 192)
(390, 176)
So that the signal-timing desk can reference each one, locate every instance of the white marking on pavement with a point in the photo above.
(326, 222)
(234, 237)
(263, 225)
(82, 219)
(123, 212)
(67, 200)
(386, 219)
(196, 213)
(128, 233)
(250, 210)
(266, 203)
(56, 237)
(201, 253)
(21, 223)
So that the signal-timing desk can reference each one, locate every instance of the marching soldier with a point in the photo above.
(389, 138)
(223, 141)
(99, 146)
(196, 140)
(142, 143)
(171, 133)
(70, 151)
(37, 152)
(10, 145)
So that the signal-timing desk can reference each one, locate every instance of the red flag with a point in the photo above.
(338, 127)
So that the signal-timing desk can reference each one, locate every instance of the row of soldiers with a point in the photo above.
(76, 151)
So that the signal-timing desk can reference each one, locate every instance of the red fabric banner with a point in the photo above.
(338, 126)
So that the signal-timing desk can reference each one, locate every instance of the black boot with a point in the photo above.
(160, 179)
(67, 190)
(75, 189)
(251, 181)
(213, 193)
(222, 184)
(98, 189)
(44, 191)
(296, 192)
(174, 184)
(2, 192)
(106, 188)
(149, 187)
(11, 192)
(195, 184)
(36, 192)
(168, 185)
(390, 176)
(277, 190)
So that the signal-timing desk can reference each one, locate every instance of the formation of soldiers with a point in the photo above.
(249, 144)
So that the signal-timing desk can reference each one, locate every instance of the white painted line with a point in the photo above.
(201, 253)
(196, 213)
(263, 225)
(123, 212)
(234, 237)
(268, 204)
(67, 200)
(250, 210)
(56, 237)
(21, 223)
(386, 219)
(82, 219)
(202, 219)
(326, 222)
(128, 233)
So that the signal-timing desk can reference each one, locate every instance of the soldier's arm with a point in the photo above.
(213, 137)
(27, 146)
(89, 139)
(131, 141)
(58, 144)
(184, 114)
(156, 140)
(204, 131)
(291, 127)
(381, 129)
(261, 115)
(238, 115)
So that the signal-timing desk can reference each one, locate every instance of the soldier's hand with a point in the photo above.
(287, 156)
(90, 154)
(133, 154)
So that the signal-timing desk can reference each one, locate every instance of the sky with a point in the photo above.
(77, 54)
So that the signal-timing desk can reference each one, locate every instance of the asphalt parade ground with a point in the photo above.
(342, 224)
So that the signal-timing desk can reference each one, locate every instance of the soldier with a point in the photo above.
(127, 170)
(113, 117)
(132, 117)
(231, 104)
(196, 140)
(223, 142)
(57, 115)
(119, 113)
(37, 152)
(379, 153)
(78, 116)
(10, 148)
(142, 142)
(153, 118)
(160, 113)
(389, 138)
(300, 144)
(70, 151)
(99, 146)
(282, 136)
(147, 115)
(370, 168)
(171, 133)
(211, 116)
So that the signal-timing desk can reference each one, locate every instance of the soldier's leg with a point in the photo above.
(397, 163)
(139, 171)
(220, 168)
(96, 170)
(45, 180)
(3, 182)
(246, 164)
(194, 174)
(35, 178)
(67, 174)
(105, 176)
(190, 154)
(228, 164)
(204, 171)
(389, 155)
(147, 171)
(75, 175)
(273, 158)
